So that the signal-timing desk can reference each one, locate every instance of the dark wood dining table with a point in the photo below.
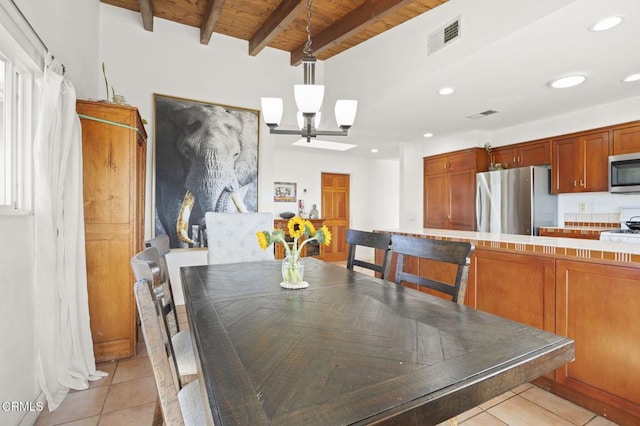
(350, 348)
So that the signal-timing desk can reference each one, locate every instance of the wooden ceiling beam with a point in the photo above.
(369, 12)
(214, 9)
(277, 22)
(146, 10)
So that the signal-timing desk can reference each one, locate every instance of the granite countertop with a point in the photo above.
(592, 249)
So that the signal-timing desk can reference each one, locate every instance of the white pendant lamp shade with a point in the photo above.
(346, 112)
(309, 97)
(272, 110)
(316, 121)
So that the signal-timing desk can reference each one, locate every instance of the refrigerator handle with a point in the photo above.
(478, 204)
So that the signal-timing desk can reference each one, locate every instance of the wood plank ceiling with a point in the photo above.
(336, 25)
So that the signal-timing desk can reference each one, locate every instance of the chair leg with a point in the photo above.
(157, 414)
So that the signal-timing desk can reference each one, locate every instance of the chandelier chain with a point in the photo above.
(307, 47)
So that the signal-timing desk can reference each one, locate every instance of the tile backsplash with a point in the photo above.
(595, 220)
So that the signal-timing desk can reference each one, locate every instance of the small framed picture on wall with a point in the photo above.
(284, 192)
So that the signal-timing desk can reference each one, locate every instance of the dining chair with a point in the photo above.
(163, 244)
(375, 240)
(178, 343)
(183, 407)
(144, 266)
(453, 252)
(232, 237)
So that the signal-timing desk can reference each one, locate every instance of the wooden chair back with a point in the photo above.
(165, 381)
(163, 244)
(375, 240)
(453, 252)
(146, 266)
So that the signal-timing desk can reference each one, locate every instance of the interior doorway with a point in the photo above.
(335, 212)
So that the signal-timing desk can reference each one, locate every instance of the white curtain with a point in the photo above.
(64, 348)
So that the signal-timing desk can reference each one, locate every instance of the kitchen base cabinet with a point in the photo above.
(597, 306)
(515, 286)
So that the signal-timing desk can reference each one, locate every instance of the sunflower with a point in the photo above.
(309, 229)
(324, 235)
(263, 239)
(296, 227)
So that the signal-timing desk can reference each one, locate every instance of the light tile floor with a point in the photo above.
(127, 397)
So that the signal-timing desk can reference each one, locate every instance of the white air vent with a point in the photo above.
(443, 36)
(483, 114)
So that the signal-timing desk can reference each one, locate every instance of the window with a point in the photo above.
(18, 71)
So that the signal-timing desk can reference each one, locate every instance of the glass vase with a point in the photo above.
(293, 272)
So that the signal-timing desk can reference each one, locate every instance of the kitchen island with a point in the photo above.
(586, 290)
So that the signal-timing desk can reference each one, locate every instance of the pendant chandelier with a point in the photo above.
(309, 100)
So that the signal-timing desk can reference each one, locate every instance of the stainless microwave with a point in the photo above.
(624, 173)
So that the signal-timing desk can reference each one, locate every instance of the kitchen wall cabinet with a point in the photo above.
(536, 153)
(579, 163)
(597, 306)
(449, 183)
(626, 140)
(114, 161)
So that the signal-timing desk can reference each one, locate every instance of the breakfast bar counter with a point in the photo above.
(581, 249)
(586, 290)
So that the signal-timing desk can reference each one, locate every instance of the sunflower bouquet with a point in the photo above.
(292, 269)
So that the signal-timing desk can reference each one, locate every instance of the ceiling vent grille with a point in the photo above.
(443, 36)
(482, 114)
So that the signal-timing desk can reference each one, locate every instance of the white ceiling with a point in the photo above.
(508, 52)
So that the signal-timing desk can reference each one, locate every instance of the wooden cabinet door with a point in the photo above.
(436, 201)
(626, 140)
(565, 159)
(505, 155)
(461, 161)
(595, 177)
(514, 286)
(535, 154)
(436, 164)
(607, 364)
(462, 196)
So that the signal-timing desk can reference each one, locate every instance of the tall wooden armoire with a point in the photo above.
(114, 162)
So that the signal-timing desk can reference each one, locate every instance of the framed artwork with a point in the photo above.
(284, 192)
(205, 159)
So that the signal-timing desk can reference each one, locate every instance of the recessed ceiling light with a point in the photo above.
(446, 91)
(632, 77)
(374, 150)
(320, 144)
(568, 81)
(428, 135)
(606, 23)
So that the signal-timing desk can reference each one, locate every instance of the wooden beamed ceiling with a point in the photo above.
(281, 24)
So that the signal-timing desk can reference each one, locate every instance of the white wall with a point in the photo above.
(171, 61)
(74, 42)
(373, 185)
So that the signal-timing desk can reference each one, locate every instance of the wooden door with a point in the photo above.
(462, 200)
(597, 306)
(505, 155)
(595, 176)
(436, 201)
(565, 158)
(335, 211)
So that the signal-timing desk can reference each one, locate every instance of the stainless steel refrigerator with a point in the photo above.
(515, 201)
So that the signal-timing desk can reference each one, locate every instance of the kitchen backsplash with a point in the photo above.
(592, 220)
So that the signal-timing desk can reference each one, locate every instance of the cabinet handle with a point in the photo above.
(581, 183)
(519, 160)
(575, 183)
(514, 159)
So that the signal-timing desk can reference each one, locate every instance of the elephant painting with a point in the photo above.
(206, 160)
